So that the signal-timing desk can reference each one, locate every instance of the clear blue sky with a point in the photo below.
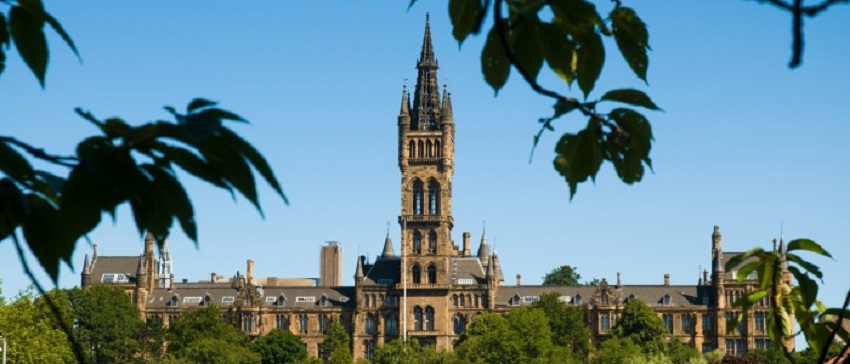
(744, 142)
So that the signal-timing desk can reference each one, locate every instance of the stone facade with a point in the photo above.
(432, 289)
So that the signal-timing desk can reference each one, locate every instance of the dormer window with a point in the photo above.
(515, 300)
(666, 300)
(174, 302)
(281, 301)
(578, 300)
(323, 302)
(207, 301)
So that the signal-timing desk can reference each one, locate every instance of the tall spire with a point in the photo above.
(359, 272)
(388, 248)
(405, 103)
(484, 249)
(426, 99)
(447, 105)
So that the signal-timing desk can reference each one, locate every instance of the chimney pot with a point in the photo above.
(666, 279)
(250, 271)
(518, 280)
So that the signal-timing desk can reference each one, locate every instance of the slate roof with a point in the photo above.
(467, 268)
(384, 268)
(112, 265)
(652, 295)
(337, 296)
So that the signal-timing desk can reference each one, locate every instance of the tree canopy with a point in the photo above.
(567, 324)
(642, 326)
(279, 346)
(564, 275)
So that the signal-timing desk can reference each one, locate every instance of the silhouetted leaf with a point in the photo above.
(578, 157)
(632, 39)
(225, 160)
(4, 36)
(255, 158)
(14, 165)
(193, 164)
(13, 207)
(199, 127)
(527, 46)
(638, 128)
(115, 127)
(563, 107)
(464, 15)
(558, 51)
(494, 64)
(178, 200)
(221, 115)
(81, 200)
(141, 134)
(61, 31)
(748, 268)
(151, 209)
(630, 96)
(591, 58)
(579, 16)
(29, 40)
(46, 234)
(199, 103)
(808, 245)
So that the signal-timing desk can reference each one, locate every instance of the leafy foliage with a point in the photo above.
(108, 324)
(566, 324)
(522, 336)
(337, 343)
(642, 326)
(617, 350)
(411, 352)
(31, 331)
(818, 324)
(279, 346)
(567, 35)
(564, 275)
(200, 324)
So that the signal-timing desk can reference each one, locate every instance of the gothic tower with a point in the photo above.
(426, 159)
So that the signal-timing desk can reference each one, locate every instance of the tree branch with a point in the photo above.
(831, 338)
(40, 153)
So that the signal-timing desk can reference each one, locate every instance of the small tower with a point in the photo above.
(484, 250)
(388, 248)
(164, 268)
(718, 271)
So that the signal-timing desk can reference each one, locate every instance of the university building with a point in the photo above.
(432, 288)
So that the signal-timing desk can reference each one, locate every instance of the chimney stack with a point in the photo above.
(518, 280)
(466, 249)
(213, 277)
(705, 277)
(666, 279)
(250, 271)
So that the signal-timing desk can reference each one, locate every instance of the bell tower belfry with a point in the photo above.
(426, 159)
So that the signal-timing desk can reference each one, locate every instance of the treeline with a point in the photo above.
(107, 328)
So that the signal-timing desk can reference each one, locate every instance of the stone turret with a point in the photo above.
(388, 248)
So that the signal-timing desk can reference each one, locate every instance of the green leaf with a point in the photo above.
(756, 296)
(46, 234)
(199, 103)
(630, 96)
(558, 50)
(14, 165)
(591, 58)
(808, 287)
(811, 268)
(527, 45)
(578, 157)
(735, 261)
(255, 158)
(632, 39)
(178, 201)
(745, 271)
(465, 15)
(808, 245)
(29, 40)
(494, 64)
(578, 16)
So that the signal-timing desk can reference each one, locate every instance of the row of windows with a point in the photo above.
(279, 301)
(468, 300)
(424, 149)
(416, 274)
(371, 300)
(417, 242)
(419, 198)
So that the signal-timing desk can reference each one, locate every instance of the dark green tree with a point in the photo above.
(200, 324)
(397, 352)
(566, 324)
(337, 343)
(31, 332)
(152, 340)
(564, 275)
(279, 346)
(681, 353)
(617, 350)
(108, 324)
(522, 336)
(770, 356)
(217, 351)
(642, 326)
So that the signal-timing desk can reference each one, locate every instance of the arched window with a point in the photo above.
(432, 242)
(417, 243)
(476, 301)
(687, 323)
(302, 323)
(323, 302)
(323, 323)
(370, 324)
(391, 324)
(666, 300)
(429, 318)
(459, 324)
(417, 318)
(439, 152)
(421, 149)
(281, 301)
(207, 301)
(429, 149)
(462, 301)
(433, 198)
(369, 348)
(417, 274)
(432, 274)
(411, 149)
(668, 321)
(605, 321)
(248, 322)
(604, 299)
(174, 302)
(366, 301)
(454, 300)
(417, 197)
